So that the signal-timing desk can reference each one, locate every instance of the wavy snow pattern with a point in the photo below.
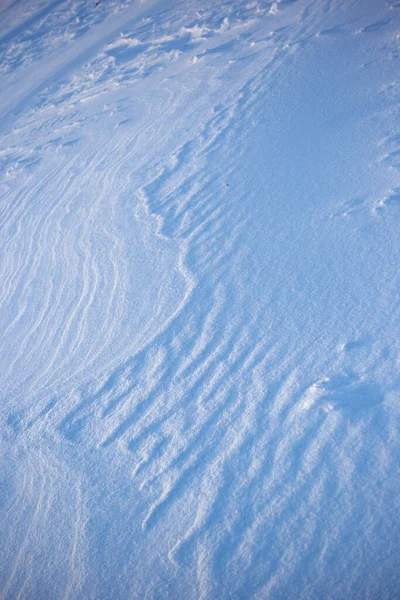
(198, 301)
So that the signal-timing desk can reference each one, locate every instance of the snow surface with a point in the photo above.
(199, 288)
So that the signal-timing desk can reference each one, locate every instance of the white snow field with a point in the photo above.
(199, 291)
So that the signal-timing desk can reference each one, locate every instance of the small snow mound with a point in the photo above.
(274, 10)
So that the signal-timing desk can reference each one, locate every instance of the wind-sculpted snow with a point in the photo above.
(199, 300)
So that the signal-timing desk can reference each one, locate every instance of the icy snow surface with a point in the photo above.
(199, 288)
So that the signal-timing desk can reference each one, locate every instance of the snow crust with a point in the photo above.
(199, 291)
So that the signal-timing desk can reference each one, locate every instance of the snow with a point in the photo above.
(199, 292)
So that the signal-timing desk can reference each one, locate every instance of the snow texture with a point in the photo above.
(199, 291)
